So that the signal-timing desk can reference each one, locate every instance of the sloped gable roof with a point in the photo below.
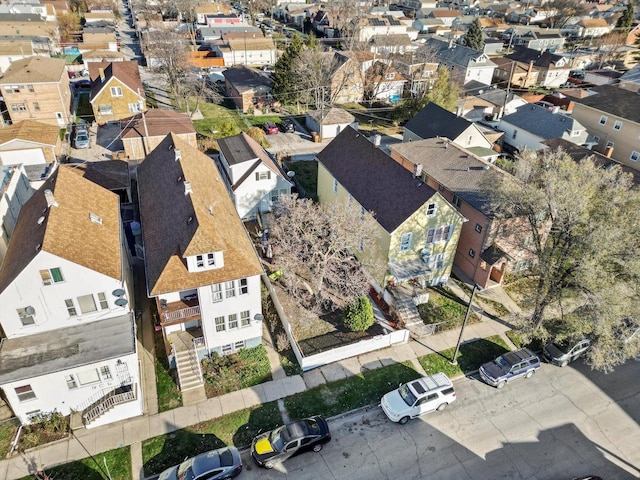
(455, 54)
(433, 121)
(614, 100)
(34, 70)
(31, 131)
(541, 122)
(331, 116)
(539, 59)
(159, 122)
(176, 225)
(127, 72)
(374, 180)
(66, 230)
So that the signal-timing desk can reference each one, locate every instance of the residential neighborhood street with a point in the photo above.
(562, 423)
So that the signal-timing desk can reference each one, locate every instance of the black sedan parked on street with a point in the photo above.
(270, 448)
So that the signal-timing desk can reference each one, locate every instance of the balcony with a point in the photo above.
(185, 310)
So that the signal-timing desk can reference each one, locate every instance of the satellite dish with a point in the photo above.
(118, 293)
(258, 317)
(291, 174)
(121, 302)
(30, 310)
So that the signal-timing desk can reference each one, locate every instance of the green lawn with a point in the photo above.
(470, 357)
(8, 431)
(306, 176)
(238, 428)
(84, 110)
(111, 465)
(228, 373)
(169, 396)
(353, 392)
(443, 309)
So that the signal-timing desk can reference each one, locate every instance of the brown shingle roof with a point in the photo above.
(127, 72)
(109, 174)
(66, 229)
(159, 123)
(176, 225)
(31, 131)
(34, 70)
(375, 180)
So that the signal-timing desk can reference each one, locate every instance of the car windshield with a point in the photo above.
(407, 395)
(503, 364)
(276, 439)
(82, 137)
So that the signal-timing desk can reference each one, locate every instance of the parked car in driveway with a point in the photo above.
(309, 434)
(424, 395)
(270, 128)
(288, 126)
(218, 464)
(510, 366)
(81, 137)
(564, 351)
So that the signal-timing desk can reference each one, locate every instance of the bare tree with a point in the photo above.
(314, 69)
(167, 51)
(197, 88)
(313, 246)
(589, 259)
(68, 24)
(563, 11)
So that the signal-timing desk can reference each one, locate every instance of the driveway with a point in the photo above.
(105, 141)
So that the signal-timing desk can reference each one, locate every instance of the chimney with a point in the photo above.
(178, 155)
(101, 72)
(51, 201)
(376, 140)
(417, 170)
(608, 151)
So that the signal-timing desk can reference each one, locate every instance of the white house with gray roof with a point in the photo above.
(531, 124)
(255, 181)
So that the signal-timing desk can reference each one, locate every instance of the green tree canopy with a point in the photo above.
(625, 22)
(582, 224)
(474, 37)
(285, 79)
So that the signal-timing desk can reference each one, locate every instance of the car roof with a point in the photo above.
(210, 460)
(432, 382)
(518, 355)
(301, 428)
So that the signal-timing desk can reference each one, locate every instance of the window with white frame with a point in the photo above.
(405, 241)
(439, 234)
(263, 175)
(116, 91)
(18, 107)
(244, 286)
(34, 415)
(230, 289)
(617, 125)
(199, 261)
(220, 326)
(232, 320)
(245, 318)
(478, 228)
(71, 309)
(25, 393)
(361, 245)
(71, 382)
(36, 106)
(596, 139)
(335, 186)
(105, 372)
(432, 208)
(456, 201)
(472, 252)
(105, 109)
(434, 261)
(239, 345)
(51, 276)
(30, 88)
(226, 349)
(634, 156)
(87, 304)
(610, 144)
(514, 134)
(603, 120)
(102, 298)
(135, 107)
(576, 133)
(216, 292)
(25, 317)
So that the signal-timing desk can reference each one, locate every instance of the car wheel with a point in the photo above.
(403, 420)
(530, 374)
(269, 465)
(317, 447)
(501, 384)
(442, 406)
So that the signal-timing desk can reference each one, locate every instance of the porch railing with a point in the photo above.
(117, 396)
(181, 314)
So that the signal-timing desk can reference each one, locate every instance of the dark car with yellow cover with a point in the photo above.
(273, 447)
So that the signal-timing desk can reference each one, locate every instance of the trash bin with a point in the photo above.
(315, 137)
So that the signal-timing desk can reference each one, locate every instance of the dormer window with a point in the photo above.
(206, 261)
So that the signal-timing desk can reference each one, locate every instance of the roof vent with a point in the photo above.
(95, 218)
(210, 209)
(417, 170)
(51, 201)
(41, 220)
(180, 178)
(178, 155)
(187, 187)
(38, 246)
(486, 167)
(189, 220)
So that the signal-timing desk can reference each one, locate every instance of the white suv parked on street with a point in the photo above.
(418, 397)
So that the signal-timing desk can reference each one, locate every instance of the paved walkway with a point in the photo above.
(92, 442)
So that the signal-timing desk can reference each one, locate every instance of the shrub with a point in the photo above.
(358, 316)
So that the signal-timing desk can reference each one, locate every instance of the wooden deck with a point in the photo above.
(182, 311)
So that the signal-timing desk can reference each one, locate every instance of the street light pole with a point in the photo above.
(464, 323)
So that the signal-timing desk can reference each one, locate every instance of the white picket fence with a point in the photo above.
(336, 354)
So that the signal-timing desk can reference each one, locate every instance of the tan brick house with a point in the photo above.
(116, 90)
(37, 88)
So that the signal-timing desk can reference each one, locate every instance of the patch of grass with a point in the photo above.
(84, 109)
(46, 428)
(470, 357)
(306, 177)
(169, 396)
(8, 431)
(152, 101)
(344, 395)
(93, 468)
(520, 341)
(238, 428)
(228, 373)
(219, 121)
(442, 309)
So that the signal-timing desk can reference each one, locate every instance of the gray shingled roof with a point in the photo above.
(543, 123)
(49, 352)
(540, 59)
(461, 172)
(455, 55)
(614, 100)
(433, 121)
(374, 180)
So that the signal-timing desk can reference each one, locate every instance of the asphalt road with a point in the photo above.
(561, 424)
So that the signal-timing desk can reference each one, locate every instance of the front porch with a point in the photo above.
(185, 310)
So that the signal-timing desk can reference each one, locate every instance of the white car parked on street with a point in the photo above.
(418, 397)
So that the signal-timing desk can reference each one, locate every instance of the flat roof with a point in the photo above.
(55, 351)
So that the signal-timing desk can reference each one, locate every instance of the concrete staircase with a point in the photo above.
(189, 373)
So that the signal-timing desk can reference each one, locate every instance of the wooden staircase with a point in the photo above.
(101, 405)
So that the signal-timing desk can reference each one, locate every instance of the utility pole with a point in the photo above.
(464, 323)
